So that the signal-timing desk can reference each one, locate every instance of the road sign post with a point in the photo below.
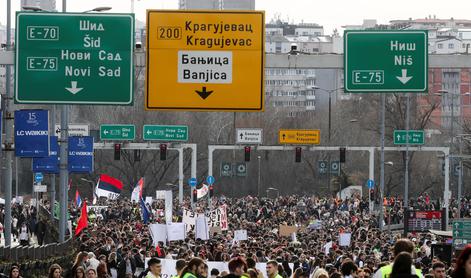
(205, 60)
(74, 58)
(165, 132)
(386, 61)
(416, 137)
(299, 136)
(117, 132)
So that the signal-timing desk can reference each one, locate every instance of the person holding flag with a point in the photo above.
(83, 220)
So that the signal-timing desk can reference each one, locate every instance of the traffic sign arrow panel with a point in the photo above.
(386, 61)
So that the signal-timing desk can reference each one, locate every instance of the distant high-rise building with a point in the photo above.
(217, 4)
(199, 5)
(237, 4)
(47, 5)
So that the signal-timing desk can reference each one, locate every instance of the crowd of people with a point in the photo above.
(117, 243)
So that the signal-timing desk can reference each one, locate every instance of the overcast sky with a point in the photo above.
(329, 13)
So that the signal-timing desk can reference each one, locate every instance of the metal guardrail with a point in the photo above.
(21, 253)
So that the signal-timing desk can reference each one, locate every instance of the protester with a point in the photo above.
(463, 265)
(439, 270)
(14, 271)
(193, 269)
(55, 271)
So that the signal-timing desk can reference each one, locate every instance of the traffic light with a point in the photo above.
(298, 154)
(247, 153)
(117, 151)
(163, 152)
(195, 195)
(342, 155)
(211, 191)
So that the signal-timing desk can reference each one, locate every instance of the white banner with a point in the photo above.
(216, 217)
(176, 231)
(96, 209)
(107, 194)
(202, 229)
(158, 233)
(168, 267)
(240, 235)
(135, 194)
(168, 206)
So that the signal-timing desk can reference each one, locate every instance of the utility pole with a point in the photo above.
(7, 181)
(64, 174)
(381, 211)
(406, 174)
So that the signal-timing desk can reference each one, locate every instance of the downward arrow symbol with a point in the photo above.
(73, 88)
(404, 78)
(203, 93)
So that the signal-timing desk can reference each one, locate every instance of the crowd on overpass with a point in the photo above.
(117, 243)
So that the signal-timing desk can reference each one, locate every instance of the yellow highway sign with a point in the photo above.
(205, 60)
(299, 136)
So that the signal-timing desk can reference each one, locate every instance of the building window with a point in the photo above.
(440, 46)
(451, 46)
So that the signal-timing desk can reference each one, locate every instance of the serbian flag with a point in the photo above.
(136, 194)
(108, 187)
(78, 200)
(83, 220)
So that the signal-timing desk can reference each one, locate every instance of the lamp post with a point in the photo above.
(259, 176)
(329, 92)
(453, 95)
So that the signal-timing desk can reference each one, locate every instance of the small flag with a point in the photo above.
(137, 191)
(78, 200)
(83, 220)
(144, 211)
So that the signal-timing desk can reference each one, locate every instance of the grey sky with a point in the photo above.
(329, 13)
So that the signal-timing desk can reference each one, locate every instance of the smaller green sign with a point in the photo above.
(461, 233)
(416, 137)
(165, 132)
(117, 132)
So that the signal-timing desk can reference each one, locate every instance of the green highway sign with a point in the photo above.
(74, 58)
(385, 61)
(165, 132)
(117, 132)
(416, 137)
(461, 233)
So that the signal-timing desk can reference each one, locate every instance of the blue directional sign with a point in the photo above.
(49, 164)
(80, 158)
(370, 183)
(210, 180)
(38, 177)
(192, 182)
(32, 133)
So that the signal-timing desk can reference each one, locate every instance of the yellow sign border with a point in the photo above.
(261, 105)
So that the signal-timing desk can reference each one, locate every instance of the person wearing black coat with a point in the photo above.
(126, 264)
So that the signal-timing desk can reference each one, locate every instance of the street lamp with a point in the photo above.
(259, 176)
(330, 104)
(98, 9)
(32, 8)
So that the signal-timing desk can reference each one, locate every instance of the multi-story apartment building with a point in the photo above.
(217, 4)
(47, 5)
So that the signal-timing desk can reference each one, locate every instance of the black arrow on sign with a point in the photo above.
(241, 136)
(284, 135)
(203, 93)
